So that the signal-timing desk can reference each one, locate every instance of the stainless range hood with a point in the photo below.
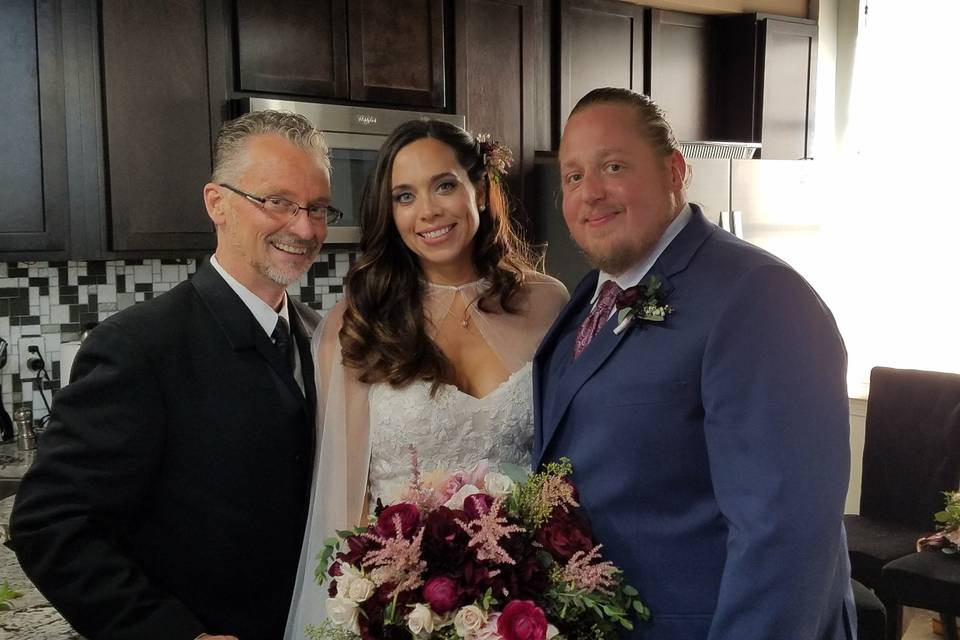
(724, 150)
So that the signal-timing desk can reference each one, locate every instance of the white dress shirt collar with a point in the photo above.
(636, 273)
(265, 315)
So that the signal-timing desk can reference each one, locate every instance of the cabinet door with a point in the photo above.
(292, 46)
(495, 76)
(396, 52)
(601, 45)
(159, 121)
(788, 63)
(33, 173)
(680, 74)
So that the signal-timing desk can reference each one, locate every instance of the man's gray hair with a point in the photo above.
(229, 154)
(653, 122)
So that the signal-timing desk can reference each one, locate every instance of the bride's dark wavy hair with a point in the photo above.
(384, 334)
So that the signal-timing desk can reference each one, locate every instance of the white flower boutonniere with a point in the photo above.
(641, 302)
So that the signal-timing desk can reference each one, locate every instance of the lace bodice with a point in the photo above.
(452, 430)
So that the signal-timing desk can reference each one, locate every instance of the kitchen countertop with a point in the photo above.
(31, 617)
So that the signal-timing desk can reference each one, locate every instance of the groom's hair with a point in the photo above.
(650, 117)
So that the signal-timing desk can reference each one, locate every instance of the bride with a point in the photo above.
(432, 345)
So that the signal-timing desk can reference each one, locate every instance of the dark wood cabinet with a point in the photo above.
(378, 51)
(396, 52)
(496, 49)
(679, 71)
(34, 213)
(163, 96)
(601, 45)
(293, 46)
(766, 79)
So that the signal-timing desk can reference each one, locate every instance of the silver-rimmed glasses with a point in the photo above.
(281, 209)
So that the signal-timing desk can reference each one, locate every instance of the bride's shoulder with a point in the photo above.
(543, 287)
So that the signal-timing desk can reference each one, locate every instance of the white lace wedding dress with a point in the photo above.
(452, 430)
(367, 430)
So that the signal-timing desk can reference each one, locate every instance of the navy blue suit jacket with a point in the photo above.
(711, 451)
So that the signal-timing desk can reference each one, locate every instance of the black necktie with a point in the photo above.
(284, 341)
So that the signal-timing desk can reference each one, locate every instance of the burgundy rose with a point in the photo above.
(357, 548)
(476, 579)
(522, 620)
(564, 534)
(409, 517)
(441, 529)
(442, 594)
(477, 505)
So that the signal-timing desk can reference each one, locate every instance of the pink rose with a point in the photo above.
(408, 515)
(450, 487)
(522, 620)
(489, 630)
(442, 594)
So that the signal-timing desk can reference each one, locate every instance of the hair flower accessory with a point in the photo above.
(641, 302)
(497, 157)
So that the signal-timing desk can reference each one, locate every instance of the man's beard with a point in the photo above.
(286, 277)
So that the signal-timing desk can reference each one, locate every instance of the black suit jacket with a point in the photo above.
(170, 490)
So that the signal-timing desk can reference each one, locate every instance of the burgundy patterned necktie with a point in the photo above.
(594, 322)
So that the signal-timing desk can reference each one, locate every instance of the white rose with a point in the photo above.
(344, 613)
(498, 485)
(361, 589)
(469, 620)
(552, 631)
(420, 620)
(348, 575)
(456, 500)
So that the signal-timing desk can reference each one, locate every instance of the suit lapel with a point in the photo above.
(303, 332)
(239, 325)
(572, 313)
(672, 261)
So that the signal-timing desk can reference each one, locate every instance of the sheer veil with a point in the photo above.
(343, 454)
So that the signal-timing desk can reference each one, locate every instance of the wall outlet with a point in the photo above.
(23, 354)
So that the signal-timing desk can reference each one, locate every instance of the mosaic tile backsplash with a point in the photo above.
(51, 303)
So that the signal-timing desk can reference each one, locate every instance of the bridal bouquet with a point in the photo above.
(475, 555)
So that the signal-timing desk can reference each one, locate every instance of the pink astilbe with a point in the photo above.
(583, 573)
(418, 492)
(557, 492)
(486, 531)
(397, 561)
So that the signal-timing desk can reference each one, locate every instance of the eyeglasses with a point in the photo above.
(283, 209)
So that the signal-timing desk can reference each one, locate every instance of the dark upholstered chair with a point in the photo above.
(928, 580)
(911, 455)
(871, 614)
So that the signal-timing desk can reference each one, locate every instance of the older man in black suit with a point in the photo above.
(170, 491)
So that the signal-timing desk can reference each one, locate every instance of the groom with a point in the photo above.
(709, 441)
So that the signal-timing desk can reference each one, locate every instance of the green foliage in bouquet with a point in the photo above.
(534, 501)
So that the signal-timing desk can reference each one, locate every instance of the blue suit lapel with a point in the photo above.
(549, 413)
(571, 313)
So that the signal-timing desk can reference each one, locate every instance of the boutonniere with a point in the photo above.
(641, 302)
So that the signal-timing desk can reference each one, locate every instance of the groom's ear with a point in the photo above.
(677, 166)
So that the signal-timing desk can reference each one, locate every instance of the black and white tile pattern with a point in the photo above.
(55, 301)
